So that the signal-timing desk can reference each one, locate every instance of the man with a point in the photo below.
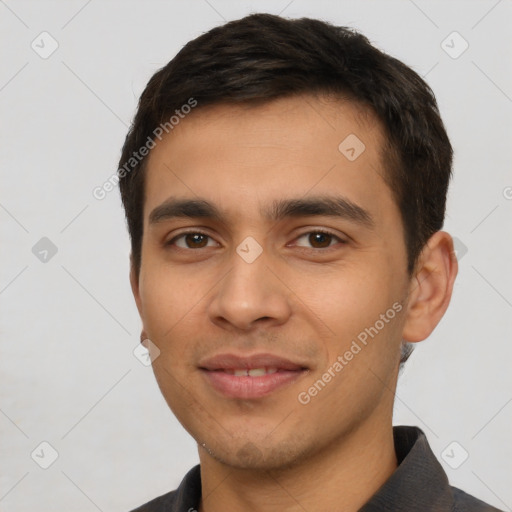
(284, 185)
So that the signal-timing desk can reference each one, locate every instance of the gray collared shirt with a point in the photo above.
(419, 484)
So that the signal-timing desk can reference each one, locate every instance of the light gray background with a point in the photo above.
(69, 325)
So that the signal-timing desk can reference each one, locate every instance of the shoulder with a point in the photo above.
(464, 502)
(185, 498)
(161, 504)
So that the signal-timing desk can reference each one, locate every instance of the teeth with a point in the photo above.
(253, 372)
(257, 372)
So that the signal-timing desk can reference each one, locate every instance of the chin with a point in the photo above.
(260, 455)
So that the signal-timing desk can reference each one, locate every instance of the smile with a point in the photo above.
(250, 377)
(253, 372)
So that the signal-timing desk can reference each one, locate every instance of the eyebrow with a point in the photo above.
(192, 208)
(328, 206)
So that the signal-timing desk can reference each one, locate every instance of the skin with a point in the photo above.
(301, 299)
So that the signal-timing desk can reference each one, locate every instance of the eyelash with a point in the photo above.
(314, 231)
(323, 232)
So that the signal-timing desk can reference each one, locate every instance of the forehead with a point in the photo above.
(243, 156)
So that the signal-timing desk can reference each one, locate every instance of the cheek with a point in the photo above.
(350, 305)
(168, 298)
(345, 298)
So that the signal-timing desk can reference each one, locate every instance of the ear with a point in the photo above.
(431, 287)
(134, 282)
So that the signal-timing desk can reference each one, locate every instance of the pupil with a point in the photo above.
(319, 239)
(196, 240)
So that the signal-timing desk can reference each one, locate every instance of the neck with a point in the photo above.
(341, 477)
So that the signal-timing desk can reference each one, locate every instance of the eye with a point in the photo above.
(192, 240)
(318, 239)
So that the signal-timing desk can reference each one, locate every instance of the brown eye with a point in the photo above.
(320, 240)
(192, 240)
(196, 240)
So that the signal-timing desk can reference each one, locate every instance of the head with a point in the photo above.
(254, 132)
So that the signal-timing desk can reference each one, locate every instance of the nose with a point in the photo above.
(250, 296)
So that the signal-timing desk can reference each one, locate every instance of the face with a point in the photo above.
(273, 278)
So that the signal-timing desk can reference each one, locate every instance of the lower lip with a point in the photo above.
(250, 387)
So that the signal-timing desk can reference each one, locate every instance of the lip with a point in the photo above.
(218, 370)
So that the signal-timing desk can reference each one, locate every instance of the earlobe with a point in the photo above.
(431, 287)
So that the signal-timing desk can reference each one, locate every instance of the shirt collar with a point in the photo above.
(418, 483)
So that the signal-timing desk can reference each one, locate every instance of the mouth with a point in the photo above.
(250, 377)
